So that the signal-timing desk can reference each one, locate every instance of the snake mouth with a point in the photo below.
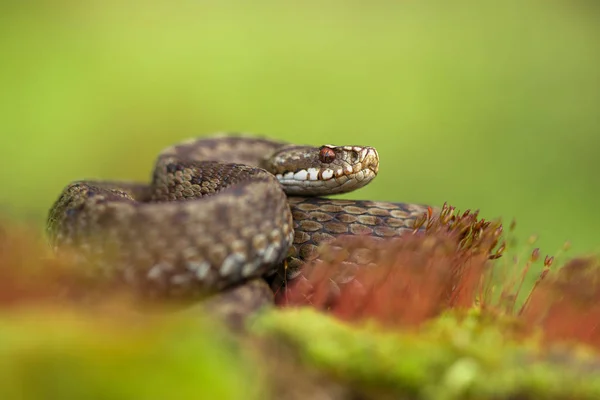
(355, 166)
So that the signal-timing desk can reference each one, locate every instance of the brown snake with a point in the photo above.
(217, 214)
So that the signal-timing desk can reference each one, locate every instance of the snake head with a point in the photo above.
(317, 171)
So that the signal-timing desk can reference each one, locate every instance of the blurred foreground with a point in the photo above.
(435, 317)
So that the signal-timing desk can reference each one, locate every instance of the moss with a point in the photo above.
(55, 354)
(435, 344)
(453, 357)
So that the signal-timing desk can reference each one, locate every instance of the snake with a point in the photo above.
(221, 211)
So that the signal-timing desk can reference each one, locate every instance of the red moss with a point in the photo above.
(407, 279)
(31, 274)
(23, 265)
(446, 262)
(566, 304)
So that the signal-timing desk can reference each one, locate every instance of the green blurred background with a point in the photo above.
(489, 105)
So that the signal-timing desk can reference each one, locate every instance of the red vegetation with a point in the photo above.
(30, 274)
(449, 261)
(410, 278)
(566, 305)
(24, 266)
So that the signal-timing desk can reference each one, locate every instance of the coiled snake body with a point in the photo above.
(221, 211)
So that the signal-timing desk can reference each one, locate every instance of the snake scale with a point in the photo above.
(221, 211)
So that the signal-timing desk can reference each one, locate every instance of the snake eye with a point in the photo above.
(326, 155)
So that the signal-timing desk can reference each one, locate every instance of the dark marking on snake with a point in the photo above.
(220, 212)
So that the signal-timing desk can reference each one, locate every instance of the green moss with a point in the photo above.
(50, 354)
(452, 358)
(68, 356)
